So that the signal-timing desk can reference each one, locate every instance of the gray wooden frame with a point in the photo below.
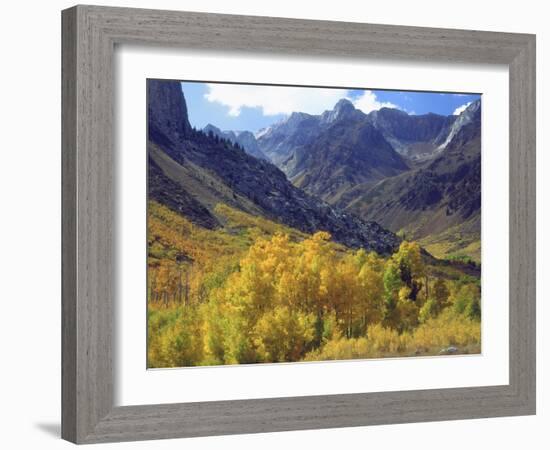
(89, 36)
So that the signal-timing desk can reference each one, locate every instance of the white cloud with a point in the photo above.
(273, 100)
(460, 109)
(368, 102)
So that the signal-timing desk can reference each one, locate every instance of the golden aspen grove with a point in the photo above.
(256, 291)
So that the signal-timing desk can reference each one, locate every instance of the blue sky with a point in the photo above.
(252, 107)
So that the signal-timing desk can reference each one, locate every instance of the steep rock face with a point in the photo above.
(399, 124)
(245, 139)
(211, 171)
(342, 111)
(417, 137)
(167, 114)
(472, 114)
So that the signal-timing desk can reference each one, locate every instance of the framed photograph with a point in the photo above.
(277, 224)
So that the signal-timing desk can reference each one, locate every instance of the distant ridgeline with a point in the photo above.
(419, 176)
(245, 139)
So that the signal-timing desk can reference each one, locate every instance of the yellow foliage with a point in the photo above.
(431, 338)
(174, 339)
(446, 330)
(257, 291)
(283, 335)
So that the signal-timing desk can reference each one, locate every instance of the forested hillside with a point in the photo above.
(256, 291)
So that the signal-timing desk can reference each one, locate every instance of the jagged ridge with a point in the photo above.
(221, 171)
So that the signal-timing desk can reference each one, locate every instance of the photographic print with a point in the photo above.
(295, 224)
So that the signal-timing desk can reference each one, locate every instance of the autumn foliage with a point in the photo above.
(255, 291)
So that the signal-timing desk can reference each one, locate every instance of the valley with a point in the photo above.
(334, 236)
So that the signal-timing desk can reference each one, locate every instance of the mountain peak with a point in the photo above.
(244, 138)
(212, 128)
(343, 108)
(474, 106)
(343, 104)
(472, 114)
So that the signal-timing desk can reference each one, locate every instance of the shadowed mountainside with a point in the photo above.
(414, 174)
(197, 172)
(439, 202)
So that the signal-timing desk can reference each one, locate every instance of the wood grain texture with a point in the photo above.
(68, 226)
(522, 281)
(89, 36)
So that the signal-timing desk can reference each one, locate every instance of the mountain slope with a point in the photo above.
(328, 154)
(211, 171)
(440, 201)
(168, 192)
(416, 137)
(416, 174)
(342, 156)
(279, 140)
